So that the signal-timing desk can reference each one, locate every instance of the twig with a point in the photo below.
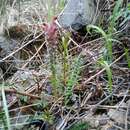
(124, 97)
(86, 99)
(23, 107)
(109, 107)
(21, 93)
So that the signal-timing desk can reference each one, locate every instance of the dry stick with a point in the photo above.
(86, 99)
(6, 71)
(21, 93)
(27, 106)
(124, 97)
(33, 55)
(64, 122)
(110, 107)
(11, 54)
(117, 127)
(38, 56)
(55, 103)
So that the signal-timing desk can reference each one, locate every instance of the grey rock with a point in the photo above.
(78, 13)
(117, 115)
(23, 79)
(103, 120)
(97, 120)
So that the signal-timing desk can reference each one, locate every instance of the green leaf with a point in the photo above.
(108, 71)
(5, 107)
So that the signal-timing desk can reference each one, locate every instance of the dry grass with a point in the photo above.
(26, 96)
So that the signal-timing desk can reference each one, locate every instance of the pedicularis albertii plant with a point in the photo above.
(65, 69)
(50, 30)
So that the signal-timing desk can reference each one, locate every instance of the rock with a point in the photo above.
(109, 126)
(77, 13)
(23, 79)
(96, 120)
(103, 120)
(117, 115)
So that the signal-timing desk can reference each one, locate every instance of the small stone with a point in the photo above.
(108, 126)
(96, 123)
(103, 120)
(117, 115)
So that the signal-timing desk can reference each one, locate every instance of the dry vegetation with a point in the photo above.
(56, 79)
